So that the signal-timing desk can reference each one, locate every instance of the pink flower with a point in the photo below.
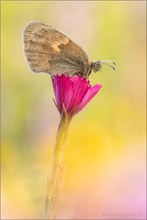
(72, 93)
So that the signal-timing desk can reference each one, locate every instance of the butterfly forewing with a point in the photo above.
(49, 50)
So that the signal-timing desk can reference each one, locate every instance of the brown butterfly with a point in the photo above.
(49, 50)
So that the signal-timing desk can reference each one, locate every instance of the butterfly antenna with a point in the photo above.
(108, 61)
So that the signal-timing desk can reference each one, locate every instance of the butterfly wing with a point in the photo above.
(48, 50)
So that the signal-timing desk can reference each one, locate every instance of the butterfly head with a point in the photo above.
(97, 65)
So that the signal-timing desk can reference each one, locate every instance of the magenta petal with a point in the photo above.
(80, 87)
(88, 96)
(72, 93)
(57, 91)
(63, 90)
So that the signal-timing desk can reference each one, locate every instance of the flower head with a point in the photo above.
(72, 93)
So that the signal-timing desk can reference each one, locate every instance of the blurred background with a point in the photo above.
(105, 148)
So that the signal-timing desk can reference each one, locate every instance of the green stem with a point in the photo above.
(57, 170)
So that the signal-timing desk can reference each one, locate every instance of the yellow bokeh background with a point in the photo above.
(105, 147)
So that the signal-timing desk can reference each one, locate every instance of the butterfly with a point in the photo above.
(51, 51)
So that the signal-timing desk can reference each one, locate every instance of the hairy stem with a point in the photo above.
(57, 170)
